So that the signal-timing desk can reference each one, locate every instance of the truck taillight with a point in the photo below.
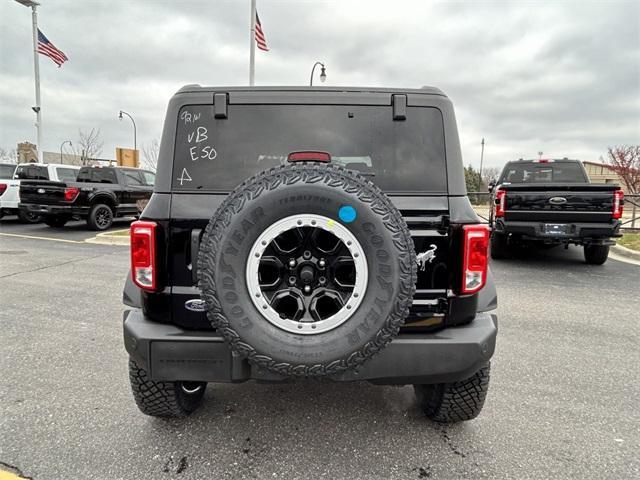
(475, 259)
(143, 254)
(501, 201)
(618, 203)
(70, 194)
(3, 188)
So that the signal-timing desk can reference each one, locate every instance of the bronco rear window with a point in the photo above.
(400, 156)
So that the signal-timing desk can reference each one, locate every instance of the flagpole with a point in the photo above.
(36, 68)
(252, 42)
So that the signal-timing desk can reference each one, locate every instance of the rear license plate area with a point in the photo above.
(555, 228)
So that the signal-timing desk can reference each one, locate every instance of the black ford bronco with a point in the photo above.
(310, 233)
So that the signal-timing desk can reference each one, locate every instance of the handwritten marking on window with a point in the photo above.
(184, 177)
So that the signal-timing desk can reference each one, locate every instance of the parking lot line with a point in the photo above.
(4, 475)
(40, 238)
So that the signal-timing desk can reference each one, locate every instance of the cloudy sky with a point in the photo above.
(560, 77)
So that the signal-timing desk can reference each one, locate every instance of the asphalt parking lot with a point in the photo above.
(563, 401)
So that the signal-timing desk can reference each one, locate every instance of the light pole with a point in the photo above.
(323, 73)
(36, 70)
(135, 144)
(481, 159)
(62, 145)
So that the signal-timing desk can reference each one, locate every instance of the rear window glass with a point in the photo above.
(67, 174)
(530, 172)
(97, 175)
(6, 171)
(400, 156)
(32, 172)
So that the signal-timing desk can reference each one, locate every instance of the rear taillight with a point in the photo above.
(143, 254)
(618, 203)
(475, 247)
(309, 156)
(70, 194)
(3, 188)
(501, 201)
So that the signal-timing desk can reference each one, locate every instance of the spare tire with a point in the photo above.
(307, 270)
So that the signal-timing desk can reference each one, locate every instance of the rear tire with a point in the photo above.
(499, 246)
(100, 217)
(456, 401)
(55, 221)
(596, 254)
(164, 399)
(29, 217)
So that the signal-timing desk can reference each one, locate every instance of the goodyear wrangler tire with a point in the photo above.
(307, 270)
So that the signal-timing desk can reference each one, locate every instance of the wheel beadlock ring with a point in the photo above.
(315, 221)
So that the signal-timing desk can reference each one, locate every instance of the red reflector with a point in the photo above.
(475, 247)
(143, 254)
(618, 203)
(3, 188)
(70, 194)
(501, 201)
(324, 157)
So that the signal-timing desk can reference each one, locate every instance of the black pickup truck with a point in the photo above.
(310, 232)
(551, 202)
(98, 195)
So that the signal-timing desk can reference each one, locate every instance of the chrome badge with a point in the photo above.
(41, 190)
(557, 200)
(426, 257)
(195, 305)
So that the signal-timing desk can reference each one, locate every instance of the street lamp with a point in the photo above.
(36, 71)
(323, 73)
(62, 145)
(135, 144)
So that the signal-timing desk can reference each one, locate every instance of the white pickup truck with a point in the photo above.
(11, 175)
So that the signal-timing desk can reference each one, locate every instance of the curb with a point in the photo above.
(625, 252)
(107, 238)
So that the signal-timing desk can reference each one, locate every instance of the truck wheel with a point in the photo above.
(307, 270)
(164, 399)
(596, 254)
(456, 401)
(29, 217)
(55, 221)
(100, 217)
(499, 246)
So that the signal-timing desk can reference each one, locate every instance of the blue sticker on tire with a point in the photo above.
(347, 213)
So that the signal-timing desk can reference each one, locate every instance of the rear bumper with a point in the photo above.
(170, 353)
(68, 210)
(574, 231)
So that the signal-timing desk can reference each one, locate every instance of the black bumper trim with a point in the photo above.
(54, 209)
(170, 353)
(578, 231)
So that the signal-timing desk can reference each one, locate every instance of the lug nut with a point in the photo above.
(292, 263)
(322, 280)
(307, 254)
(322, 263)
(307, 289)
(292, 280)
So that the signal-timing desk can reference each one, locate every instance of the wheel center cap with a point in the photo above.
(307, 274)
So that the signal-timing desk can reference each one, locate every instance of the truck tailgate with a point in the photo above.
(559, 203)
(42, 192)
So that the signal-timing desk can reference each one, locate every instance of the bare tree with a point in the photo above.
(150, 153)
(625, 161)
(9, 156)
(89, 145)
(490, 173)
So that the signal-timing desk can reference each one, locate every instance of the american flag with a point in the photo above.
(45, 47)
(260, 40)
